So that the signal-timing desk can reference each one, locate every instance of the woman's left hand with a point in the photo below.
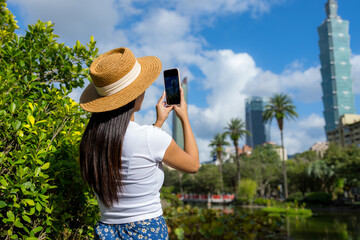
(162, 111)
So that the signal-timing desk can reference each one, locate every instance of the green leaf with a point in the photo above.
(38, 207)
(10, 216)
(18, 224)
(37, 171)
(31, 238)
(3, 182)
(179, 232)
(32, 211)
(30, 202)
(26, 218)
(48, 210)
(38, 229)
(14, 236)
(12, 107)
(2, 204)
(16, 125)
(45, 166)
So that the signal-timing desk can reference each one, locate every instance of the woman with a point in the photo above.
(121, 160)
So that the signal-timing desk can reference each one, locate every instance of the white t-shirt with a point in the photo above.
(142, 175)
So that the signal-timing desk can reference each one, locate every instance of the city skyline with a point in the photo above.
(228, 50)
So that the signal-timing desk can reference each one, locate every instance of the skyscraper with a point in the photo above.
(177, 131)
(260, 131)
(334, 43)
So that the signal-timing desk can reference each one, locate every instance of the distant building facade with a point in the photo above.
(177, 131)
(348, 131)
(320, 148)
(335, 53)
(260, 131)
(244, 151)
(278, 150)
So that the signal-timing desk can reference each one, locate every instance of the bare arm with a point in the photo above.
(186, 160)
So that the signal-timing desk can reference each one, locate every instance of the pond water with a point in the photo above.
(325, 225)
(330, 224)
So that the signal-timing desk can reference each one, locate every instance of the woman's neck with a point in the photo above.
(132, 117)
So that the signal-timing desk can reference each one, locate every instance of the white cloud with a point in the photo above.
(314, 121)
(204, 149)
(77, 20)
(304, 85)
(300, 134)
(167, 35)
(226, 74)
(218, 7)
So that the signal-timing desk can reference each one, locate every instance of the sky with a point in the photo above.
(228, 50)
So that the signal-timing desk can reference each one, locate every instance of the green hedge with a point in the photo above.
(318, 198)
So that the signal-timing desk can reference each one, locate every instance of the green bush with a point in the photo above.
(41, 192)
(298, 196)
(278, 211)
(264, 202)
(246, 190)
(318, 198)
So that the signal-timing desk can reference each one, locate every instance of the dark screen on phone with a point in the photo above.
(172, 87)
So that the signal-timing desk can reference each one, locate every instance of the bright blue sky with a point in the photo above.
(228, 50)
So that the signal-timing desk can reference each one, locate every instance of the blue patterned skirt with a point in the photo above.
(149, 229)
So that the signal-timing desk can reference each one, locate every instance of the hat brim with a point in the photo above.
(91, 101)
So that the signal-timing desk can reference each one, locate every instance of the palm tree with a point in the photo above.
(236, 130)
(280, 106)
(217, 144)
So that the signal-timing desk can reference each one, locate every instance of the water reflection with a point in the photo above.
(323, 226)
(338, 225)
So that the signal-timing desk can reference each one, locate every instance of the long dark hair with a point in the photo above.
(100, 152)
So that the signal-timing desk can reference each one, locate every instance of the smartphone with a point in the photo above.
(172, 86)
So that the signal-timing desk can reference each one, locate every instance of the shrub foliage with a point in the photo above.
(41, 193)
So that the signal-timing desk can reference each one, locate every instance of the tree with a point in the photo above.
(207, 179)
(40, 129)
(263, 165)
(280, 107)
(236, 130)
(298, 176)
(218, 144)
(230, 176)
(324, 174)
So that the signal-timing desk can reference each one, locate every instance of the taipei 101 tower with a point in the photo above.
(335, 53)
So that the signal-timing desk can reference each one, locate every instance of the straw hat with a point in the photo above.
(117, 79)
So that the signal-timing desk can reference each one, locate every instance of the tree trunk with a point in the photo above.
(262, 190)
(237, 167)
(284, 165)
(221, 173)
(180, 183)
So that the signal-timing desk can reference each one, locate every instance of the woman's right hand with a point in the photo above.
(181, 111)
(162, 111)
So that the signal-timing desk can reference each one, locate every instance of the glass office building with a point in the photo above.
(260, 131)
(334, 43)
(177, 131)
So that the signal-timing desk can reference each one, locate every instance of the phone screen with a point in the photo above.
(172, 86)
